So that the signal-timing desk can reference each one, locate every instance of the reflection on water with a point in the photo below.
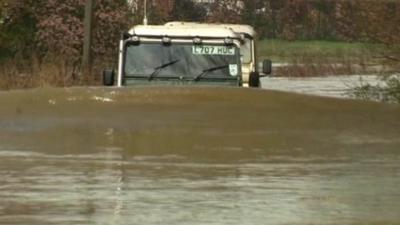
(196, 156)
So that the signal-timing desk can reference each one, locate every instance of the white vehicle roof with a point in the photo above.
(238, 28)
(183, 31)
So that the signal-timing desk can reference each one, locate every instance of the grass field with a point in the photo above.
(319, 58)
(287, 51)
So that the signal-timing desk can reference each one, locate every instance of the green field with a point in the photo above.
(306, 51)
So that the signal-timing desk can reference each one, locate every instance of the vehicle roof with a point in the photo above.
(238, 28)
(183, 31)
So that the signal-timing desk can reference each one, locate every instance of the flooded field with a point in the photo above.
(196, 156)
(330, 86)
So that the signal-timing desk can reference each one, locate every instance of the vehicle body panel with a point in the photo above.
(177, 38)
(248, 46)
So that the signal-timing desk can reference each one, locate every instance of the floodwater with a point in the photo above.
(196, 156)
(329, 86)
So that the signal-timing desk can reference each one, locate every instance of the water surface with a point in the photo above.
(330, 86)
(196, 156)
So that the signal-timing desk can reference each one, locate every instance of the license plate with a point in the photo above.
(213, 50)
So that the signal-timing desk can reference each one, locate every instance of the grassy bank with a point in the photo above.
(316, 58)
(31, 73)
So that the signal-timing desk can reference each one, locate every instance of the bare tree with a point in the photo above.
(226, 11)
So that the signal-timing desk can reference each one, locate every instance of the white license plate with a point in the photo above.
(213, 50)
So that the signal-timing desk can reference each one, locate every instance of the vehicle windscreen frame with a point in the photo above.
(187, 43)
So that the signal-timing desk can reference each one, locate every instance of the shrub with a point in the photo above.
(389, 92)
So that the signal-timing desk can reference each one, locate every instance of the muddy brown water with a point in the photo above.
(196, 156)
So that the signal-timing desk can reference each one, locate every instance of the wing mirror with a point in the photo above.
(267, 67)
(254, 79)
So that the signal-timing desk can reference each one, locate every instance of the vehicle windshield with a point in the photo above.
(246, 50)
(183, 60)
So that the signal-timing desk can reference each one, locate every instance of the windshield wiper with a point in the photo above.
(162, 66)
(206, 71)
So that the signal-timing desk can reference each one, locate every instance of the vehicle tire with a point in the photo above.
(254, 80)
(108, 77)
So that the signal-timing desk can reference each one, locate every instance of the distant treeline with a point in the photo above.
(51, 28)
(345, 20)
(54, 28)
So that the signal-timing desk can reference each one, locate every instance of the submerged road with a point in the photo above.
(196, 156)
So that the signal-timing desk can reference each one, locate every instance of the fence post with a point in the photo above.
(87, 45)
